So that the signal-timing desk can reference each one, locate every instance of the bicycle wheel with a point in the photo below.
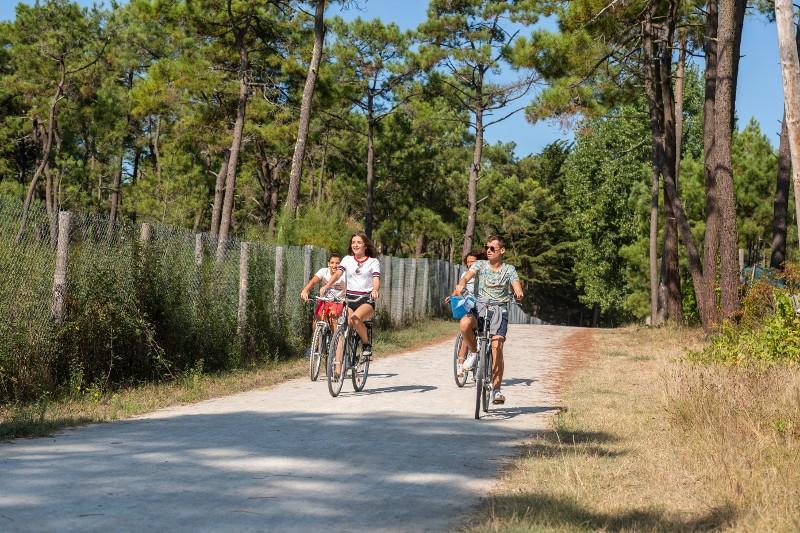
(487, 376)
(479, 382)
(360, 365)
(338, 343)
(460, 381)
(317, 347)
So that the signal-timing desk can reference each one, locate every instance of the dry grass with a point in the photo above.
(651, 443)
(48, 415)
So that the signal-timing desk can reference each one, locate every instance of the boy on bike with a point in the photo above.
(496, 281)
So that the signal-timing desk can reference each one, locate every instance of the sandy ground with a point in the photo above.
(403, 455)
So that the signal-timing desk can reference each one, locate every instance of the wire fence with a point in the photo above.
(141, 301)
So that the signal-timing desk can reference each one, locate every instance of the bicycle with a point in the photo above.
(462, 380)
(351, 356)
(321, 339)
(483, 366)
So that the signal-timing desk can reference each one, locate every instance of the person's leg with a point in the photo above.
(467, 326)
(497, 362)
(364, 313)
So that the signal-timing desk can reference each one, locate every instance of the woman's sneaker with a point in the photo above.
(469, 362)
(367, 351)
(498, 398)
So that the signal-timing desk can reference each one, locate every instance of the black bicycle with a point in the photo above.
(320, 342)
(483, 366)
(347, 342)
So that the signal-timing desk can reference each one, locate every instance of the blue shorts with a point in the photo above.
(499, 324)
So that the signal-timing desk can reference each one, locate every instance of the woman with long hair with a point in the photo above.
(363, 278)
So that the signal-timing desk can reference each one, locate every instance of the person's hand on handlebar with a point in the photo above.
(304, 295)
(458, 290)
(374, 294)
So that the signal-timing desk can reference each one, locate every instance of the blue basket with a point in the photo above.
(460, 306)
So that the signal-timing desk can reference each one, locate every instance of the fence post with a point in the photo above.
(60, 274)
(307, 251)
(241, 315)
(277, 291)
(198, 249)
(426, 273)
(144, 236)
(397, 295)
(412, 289)
(385, 298)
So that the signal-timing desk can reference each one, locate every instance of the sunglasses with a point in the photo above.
(492, 249)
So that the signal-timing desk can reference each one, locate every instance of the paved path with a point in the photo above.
(404, 455)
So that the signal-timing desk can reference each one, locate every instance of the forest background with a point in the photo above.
(144, 121)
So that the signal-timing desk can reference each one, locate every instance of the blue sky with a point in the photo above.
(760, 93)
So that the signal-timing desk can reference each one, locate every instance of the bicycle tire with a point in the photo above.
(479, 383)
(457, 348)
(315, 357)
(487, 376)
(360, 366)
(335, 382)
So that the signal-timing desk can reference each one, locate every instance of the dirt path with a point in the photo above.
(404, 455)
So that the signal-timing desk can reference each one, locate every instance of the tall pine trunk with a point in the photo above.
(790, 68)
(474, 173)
(723, 132)
(305, 111)
(711, 236)
(219, 193)
(781, 204)
(370, 168)
(236, 144)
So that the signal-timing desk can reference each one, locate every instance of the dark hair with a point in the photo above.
(477, 253)
(497, 238)
(369, 248)
(332, 255)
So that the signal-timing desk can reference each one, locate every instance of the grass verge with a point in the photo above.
(50, 414)
(650, 442)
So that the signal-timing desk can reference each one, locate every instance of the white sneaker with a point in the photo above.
(498, 397)
(469, 362)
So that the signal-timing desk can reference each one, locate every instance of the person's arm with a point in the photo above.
(304, 292)
(376, 287)
(332, 281)
(468, 275)
(516, 286)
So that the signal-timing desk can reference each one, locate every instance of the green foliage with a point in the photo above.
(324, 226)
(767, 333)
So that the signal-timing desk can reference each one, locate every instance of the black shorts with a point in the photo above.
(354, 301)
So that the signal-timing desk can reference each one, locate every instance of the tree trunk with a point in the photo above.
(420, 247)
(781, 204)
(672, 278)
(680, 72)
(654, 100)
(273, 199)
(711, 236)
(219, 193)
(724, 108)
(305, 111)
(370, 169)
(474, 173)
(236, 144)
(48, 141)
(654, 316)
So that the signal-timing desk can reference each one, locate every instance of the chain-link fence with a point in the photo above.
(137, 302)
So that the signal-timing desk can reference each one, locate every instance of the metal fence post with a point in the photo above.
(241, 315)
(60, 274)
(144, 236)
(307, 251)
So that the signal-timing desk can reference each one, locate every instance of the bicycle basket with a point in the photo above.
(460, 306)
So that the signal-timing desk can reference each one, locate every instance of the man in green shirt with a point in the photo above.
(496, 281)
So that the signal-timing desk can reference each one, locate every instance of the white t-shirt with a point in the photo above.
(324, 275)
(360, 276)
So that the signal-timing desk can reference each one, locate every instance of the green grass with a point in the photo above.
(43, 417)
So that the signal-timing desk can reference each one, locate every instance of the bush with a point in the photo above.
(767, 332)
